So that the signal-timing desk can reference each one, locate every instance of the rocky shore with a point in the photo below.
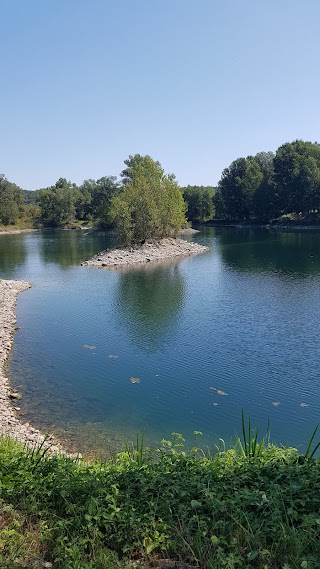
(164, 249)
(9, 399)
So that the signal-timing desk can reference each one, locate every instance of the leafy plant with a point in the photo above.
(250, 445)
(255, 508)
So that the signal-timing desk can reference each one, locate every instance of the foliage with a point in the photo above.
(297, 176)
(133, 162)
(258, 508)
(237, 187)
(266, 186)
(64, 202)
(150, 205)
(57, 203)
(200, 204)
(11, 200)
(30, 197)
(99, 195)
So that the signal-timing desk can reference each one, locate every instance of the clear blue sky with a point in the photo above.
(194, 83)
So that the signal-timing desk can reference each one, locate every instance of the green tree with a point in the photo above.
(150, 205)
(237, 186)
(83, 202)
(57, 204)
(11, 200)
(95, 197)
(297, 176)
(137, 160)
(265, 201)
(200, 204)
(105, 189)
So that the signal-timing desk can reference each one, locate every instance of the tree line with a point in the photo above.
(266, 186)
(145, 202)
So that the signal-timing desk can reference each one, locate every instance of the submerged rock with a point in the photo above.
(15, 395)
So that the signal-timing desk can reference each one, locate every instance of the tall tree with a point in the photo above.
(137, 160)
(237, 186)
(57, 203)
(150, 205)
(95, 198)
(11, 200)
(105, 189)
(265, 201)
(297, 176)
(199, 200)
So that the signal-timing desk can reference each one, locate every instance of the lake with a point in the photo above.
(206, 336)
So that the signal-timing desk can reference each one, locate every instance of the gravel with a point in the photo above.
(148, 252)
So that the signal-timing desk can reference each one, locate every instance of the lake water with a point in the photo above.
(242, 319)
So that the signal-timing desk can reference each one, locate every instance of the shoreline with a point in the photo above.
(165, 249)
(10, 424)
(14, 231)
(262, 226)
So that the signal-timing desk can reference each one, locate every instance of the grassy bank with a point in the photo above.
(252, 506)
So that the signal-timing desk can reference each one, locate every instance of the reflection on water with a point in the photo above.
(149, 299)
(276, 251)
(70, 248)
(242, 319)
(12, 253)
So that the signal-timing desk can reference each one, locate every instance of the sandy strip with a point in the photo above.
(9, 399)
(165, 249)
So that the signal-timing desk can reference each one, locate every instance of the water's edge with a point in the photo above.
(9, 399)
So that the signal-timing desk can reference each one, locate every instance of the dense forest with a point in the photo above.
(144, 201)
(266, 186)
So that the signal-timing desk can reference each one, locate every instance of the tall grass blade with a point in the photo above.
(244, 433)
(307, 455)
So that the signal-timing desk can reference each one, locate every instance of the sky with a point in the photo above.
(193, 83)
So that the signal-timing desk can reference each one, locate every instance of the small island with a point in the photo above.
(148, 252)
(147, 214)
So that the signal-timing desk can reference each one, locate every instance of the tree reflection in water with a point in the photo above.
(13, 253)
(271, 250)
(149, 300)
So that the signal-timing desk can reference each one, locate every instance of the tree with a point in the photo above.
(199, 200)
(105, 189)
(265, 201)
(57, 204)
(150, 205)
(11, 200)
(237, 186)
(83, 201)
(94, 198)
(297, 176)
(137, 160)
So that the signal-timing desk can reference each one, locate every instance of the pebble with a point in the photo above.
(164, 249)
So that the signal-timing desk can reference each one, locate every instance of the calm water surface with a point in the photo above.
(243, 318)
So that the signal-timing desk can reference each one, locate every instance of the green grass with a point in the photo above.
(255, 505)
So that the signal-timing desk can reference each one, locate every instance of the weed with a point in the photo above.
(255, 505)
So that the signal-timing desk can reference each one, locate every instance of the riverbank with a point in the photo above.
(11, 231)
(256, 506)
(277, 226)
(165, 249)
(9, 399)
